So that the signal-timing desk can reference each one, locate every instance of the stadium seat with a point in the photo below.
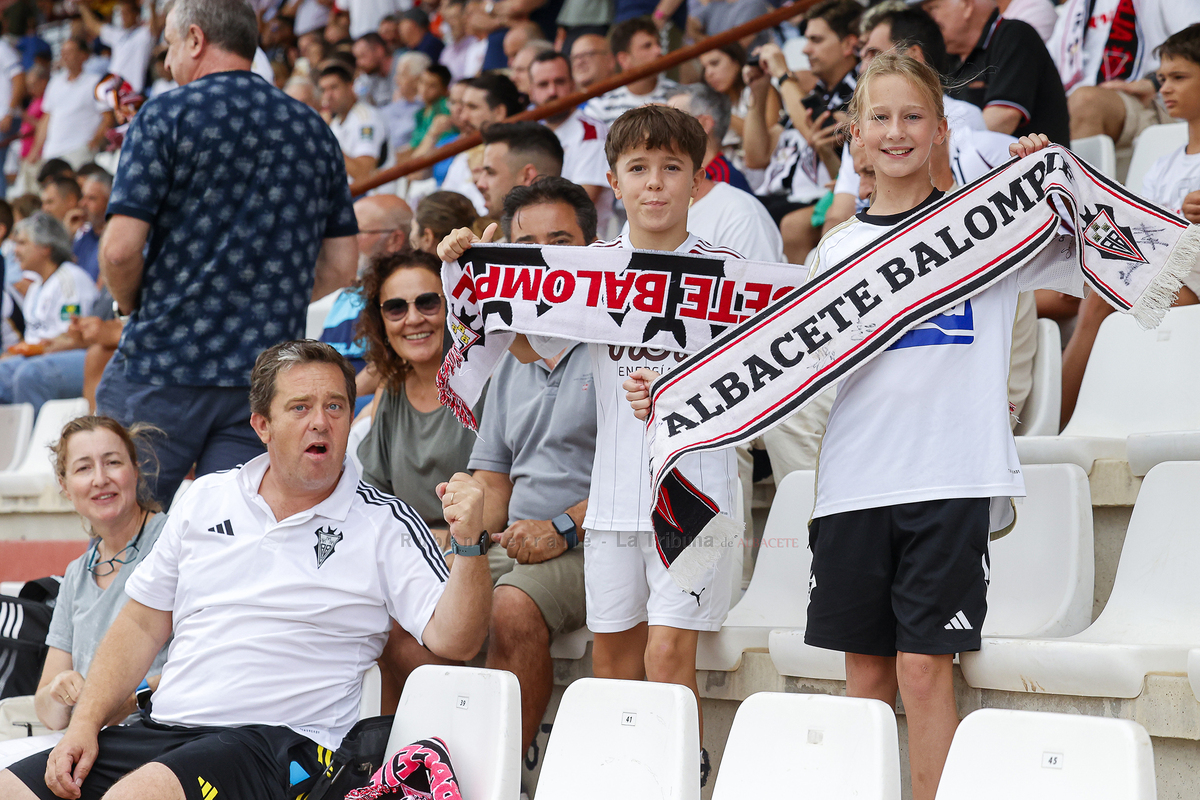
(1145, 450)
(836, 748)
(999, 753)
(35, 474)
(1043, 406)
(16, 426)
(793, 53)
(317, 311)
(1099, 151)
(777, 596)
(1151, 620)
(1194, 671)
(630, 739)
(477, 713)
(1136, 381)
(571, 645)
(1152, 144)
(1042, 574)
(372, 693)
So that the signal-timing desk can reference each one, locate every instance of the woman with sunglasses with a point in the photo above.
(95, 460)
(414, 442)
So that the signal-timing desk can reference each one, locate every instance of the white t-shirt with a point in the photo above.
(610, 105)
(620, 497)
(928, 418)
(459, 179)
(130, 52)
(584, 162)
(737, 219)
(1038, 13)
(1172, 178)
(361, 132)
(277, 622)
(10, 67)
(49, 306)
(74, 113)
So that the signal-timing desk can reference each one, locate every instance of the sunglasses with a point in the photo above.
(396, 309)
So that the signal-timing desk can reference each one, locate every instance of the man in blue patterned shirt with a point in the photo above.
(230, 211)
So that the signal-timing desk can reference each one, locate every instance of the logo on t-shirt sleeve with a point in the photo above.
(956, 326)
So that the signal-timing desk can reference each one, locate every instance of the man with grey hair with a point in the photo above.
(60, 291)
(91, 213)
(721, 211)
(240, 193)
(300, 87)
(400, 115)
(277, 583)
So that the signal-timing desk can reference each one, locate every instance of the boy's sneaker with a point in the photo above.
(705, 768)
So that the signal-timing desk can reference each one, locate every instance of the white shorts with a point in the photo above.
(627, 583)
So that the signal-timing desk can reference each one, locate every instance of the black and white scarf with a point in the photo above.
(749, 374)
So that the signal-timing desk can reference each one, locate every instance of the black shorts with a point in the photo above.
(908, 578)
(778, 206)
(252, 762)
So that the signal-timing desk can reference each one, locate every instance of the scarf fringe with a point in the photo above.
(448, 397)
(690, 566)
(1153, 303)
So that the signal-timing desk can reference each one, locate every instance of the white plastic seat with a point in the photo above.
(16, 426)
(777, 596)
(477, 713)
(317, 311)
(1193, 665)
(999, 754)
(1151, 620)
(1145, 450)
(372, 693)
(836, 748)
(571, 645)
(630, 739)
(1099, 151)
(1043, 407)
(35, 474)
(1136, 382)
(1151, 145)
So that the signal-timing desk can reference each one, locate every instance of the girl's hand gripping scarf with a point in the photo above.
(740, 382)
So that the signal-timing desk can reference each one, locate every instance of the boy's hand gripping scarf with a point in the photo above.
(759, 372)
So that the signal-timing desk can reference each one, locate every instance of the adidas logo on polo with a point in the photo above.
(207, 790)
(958, 622)
(225, 528)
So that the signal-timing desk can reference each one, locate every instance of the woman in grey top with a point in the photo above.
(97, 468)
(414, 443)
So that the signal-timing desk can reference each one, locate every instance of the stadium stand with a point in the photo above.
(1151, 144)
(16, 426)
(34, 476)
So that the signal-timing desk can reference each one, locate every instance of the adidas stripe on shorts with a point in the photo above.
(907, 578)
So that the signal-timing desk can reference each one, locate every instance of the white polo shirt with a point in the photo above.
(277, 622)
(361, 132)
(130, 52)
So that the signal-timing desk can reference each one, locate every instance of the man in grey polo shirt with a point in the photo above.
(534, 458)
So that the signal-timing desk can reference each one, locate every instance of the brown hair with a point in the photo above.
(26, 205)
(922, 76)
(391, 367)
(443, 212)
(656, 128)
(620, 36)
(138, 433)
(840, 15)
(284, 356)
(1183, 44)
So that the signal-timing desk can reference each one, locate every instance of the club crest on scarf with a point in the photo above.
(1111, 239)
(327, 539)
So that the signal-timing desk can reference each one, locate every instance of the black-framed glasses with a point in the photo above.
(396, 309)
(124, 555)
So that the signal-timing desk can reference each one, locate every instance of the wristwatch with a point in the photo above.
(477, 549)
(566, 529)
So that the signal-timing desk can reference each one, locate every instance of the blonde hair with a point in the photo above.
(923, 78)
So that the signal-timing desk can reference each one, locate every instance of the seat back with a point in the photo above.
(53, 416)
(998, 753)
(1043, 406)
(1099, 151)
(1150, 145)
(1043, 572)
(634, 740)
(477, 713)
(778, 592)
(834, 747)
(1154, 597)
(317, 311)
(16, 426)
(1140, 381)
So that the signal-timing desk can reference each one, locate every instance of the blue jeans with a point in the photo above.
(208, 426)
(53, 376)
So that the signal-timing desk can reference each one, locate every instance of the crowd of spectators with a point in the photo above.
(164, 228)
